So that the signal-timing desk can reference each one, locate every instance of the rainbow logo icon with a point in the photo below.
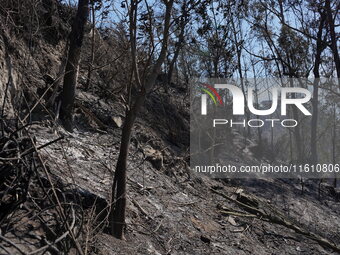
(212, 92)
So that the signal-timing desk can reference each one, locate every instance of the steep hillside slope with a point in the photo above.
(171, 210)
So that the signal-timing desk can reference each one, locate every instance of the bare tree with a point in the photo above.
(117, 213)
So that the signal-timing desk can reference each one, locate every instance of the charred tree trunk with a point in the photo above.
(238, 47)
(72, 66)
(117, 212)
(89, 74)
(333, 36)
(179, 45)
(117, 216)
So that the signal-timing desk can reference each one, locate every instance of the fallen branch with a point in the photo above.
(281, 221)
(140, 208)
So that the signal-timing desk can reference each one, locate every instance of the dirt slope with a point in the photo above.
(174, 211)
(170, 209)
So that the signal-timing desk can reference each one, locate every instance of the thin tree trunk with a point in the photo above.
(117, 212)
(314, 122)
(334, 144)
(180, 42)
(89, 74)
(297, 130)
(179, 45)
(297, 135)
(72, 66)
(239, 68)
(333, 37)
(259, 133)
(119, 182)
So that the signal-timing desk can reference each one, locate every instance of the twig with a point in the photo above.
(11, 243)
(60, 208)
(139, 207)
(31, 150)
(59, 238)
